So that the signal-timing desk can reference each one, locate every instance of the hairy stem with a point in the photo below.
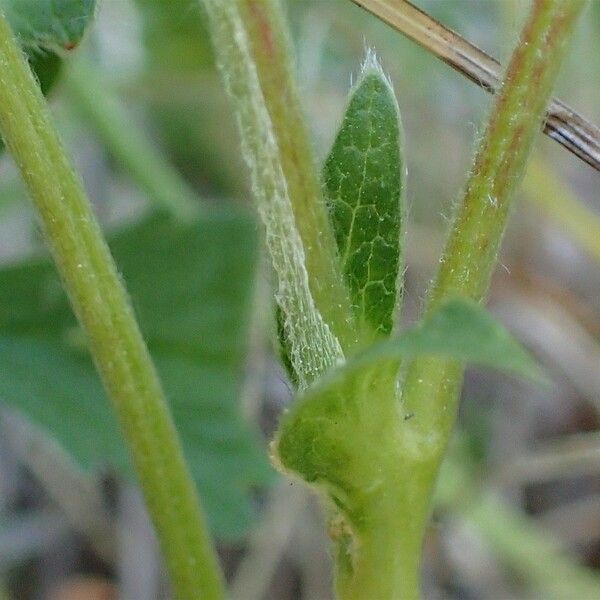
(160, 180)
(101, 304)
(272, 54)
(432, 386)
(313, 346)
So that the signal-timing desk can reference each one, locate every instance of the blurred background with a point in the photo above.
(142, 112)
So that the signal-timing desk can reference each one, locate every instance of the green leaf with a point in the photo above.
(343, 403)
(49, 24)
(335, 432)
(190, 285)
(460, 330)
(363, 178)
(45, 29)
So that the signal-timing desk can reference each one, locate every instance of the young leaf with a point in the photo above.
(461, 330)
(193, 319)
(363, 178)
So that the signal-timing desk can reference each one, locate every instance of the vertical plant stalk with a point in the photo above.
(101, 304)
(273, 58)
(385, 561)
(432, 386)
(314, 348)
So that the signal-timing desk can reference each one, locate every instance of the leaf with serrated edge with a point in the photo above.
(363, 179)
(193, 317)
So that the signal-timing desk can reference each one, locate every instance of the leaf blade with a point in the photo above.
(49, 24)
(363, 179)
(194, 320)
(461, 330)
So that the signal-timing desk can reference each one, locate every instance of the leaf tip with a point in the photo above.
(371, 65)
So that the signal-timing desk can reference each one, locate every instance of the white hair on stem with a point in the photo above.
(313, 346)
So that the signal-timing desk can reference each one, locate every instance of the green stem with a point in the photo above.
(313, 346)
(385, 562)
(432, 385)
(126, 143)
(431, 388)
(103, 309)
(381, 556)
(273, 57)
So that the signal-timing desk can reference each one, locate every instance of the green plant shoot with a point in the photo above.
(373, 446)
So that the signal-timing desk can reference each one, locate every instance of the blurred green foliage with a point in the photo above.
(184, 96)
(49, 24)
(190, 286)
